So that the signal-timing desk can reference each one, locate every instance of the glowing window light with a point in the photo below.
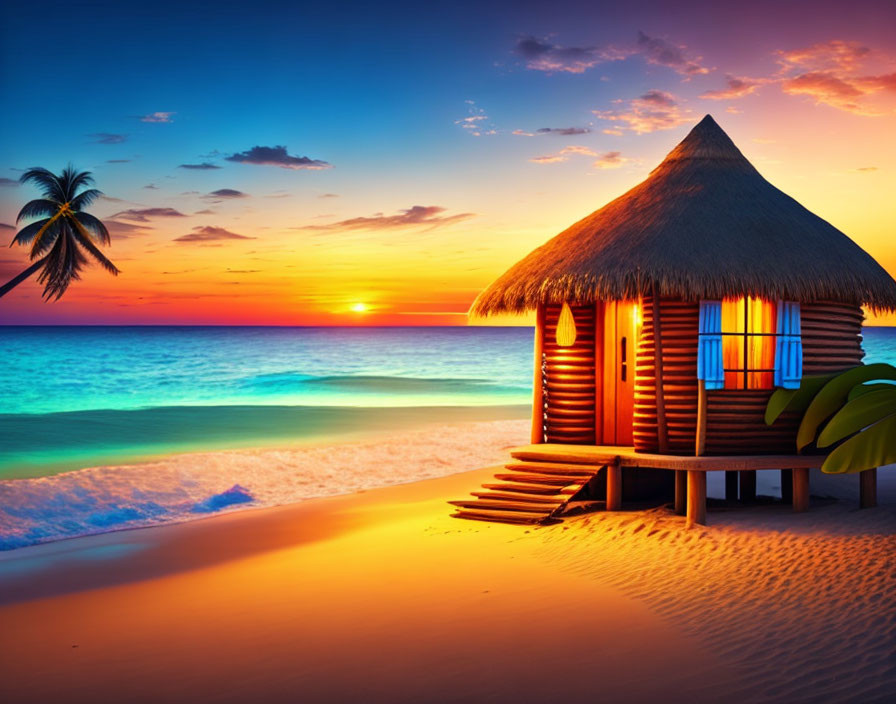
(566, 327)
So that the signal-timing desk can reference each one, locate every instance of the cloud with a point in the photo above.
(734, 88)
(548, 159)
(205, 212)
(661, 53)
(328, 195)
(608, 160)
(123, 230)
(117, 161)
(207, 233)
(475, 122)
(8, 182)
(825, 88)
(204, 166)
(655, 110)
(834, 73)
(143, 214)
(107, 138)
(415, 216)
(157, 117)
(867, 168)
(563, 155)
(4, 226)
(226, 193)
(835, 55)
(542, 55)
(277, 156)
(559, 131)
(659, 99)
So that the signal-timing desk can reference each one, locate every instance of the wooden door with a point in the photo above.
(619, 345)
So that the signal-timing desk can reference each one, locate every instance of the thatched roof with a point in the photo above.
(704, 224)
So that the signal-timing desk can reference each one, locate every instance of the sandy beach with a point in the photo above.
(380, 596)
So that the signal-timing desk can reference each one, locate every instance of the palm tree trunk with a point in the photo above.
(6, 288)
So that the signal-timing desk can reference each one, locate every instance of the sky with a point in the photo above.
(297, 163)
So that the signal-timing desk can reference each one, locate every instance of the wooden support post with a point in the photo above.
(614, 486)
(800, 489)
(681, 490)
(701, 418)
(599, 372)
(662, 433)
(696, 513)
(537, 436)
(787, 486)
(748, 485)
(730, 486)
(868, 488)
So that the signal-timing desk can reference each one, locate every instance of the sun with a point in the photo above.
(359, 308)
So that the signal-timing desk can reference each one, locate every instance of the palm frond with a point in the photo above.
(83, 238)
(63, 265)
(85, 198)
(29, 232)
(73, 179)
(94, 226)
(47, 235)
(46, 180)
(38, 207)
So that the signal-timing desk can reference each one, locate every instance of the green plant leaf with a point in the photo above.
(868, 388)
(859, 413)
(871, 448)
(834, 394)
(795, 399)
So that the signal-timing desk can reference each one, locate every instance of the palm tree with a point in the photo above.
(65, 235)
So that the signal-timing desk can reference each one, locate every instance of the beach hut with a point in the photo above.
(665, 319)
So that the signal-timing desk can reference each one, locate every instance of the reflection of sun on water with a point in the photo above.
(359, 308)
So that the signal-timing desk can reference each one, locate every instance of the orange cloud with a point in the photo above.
(655, 110)
(735, 88)
(415, 216)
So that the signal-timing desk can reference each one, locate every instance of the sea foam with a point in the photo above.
(190, 486)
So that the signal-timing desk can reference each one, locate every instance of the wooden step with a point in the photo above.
(556, 480)
(573, 470)
(517, 496)
(532, 488)
(499, 516)
(505, 505)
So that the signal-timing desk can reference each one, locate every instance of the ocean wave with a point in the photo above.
(190, 486)
(378, 384)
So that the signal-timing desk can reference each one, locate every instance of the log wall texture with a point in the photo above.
(735, 422)
(679, 321)
(568, 379)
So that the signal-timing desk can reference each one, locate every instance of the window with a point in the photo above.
(749, 333)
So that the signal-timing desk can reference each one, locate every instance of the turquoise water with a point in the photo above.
(73, 397)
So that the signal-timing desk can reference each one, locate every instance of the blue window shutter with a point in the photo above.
(789, 346)
(710, 367)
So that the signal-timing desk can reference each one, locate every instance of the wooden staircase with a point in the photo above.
(531, 491)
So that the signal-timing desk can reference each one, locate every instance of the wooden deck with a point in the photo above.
(544, 479)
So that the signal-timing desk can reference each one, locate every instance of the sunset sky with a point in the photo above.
(322, 163)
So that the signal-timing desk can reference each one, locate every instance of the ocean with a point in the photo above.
(115, 402)
(73, 397)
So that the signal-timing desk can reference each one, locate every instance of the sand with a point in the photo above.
(380, 596)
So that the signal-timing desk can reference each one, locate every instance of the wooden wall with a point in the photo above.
(735, 418)
(568, 379)
(679, 322)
